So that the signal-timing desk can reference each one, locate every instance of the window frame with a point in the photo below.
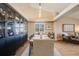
(68, 25)
(39, 27)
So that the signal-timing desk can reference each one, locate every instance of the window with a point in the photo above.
(39, 27)
(69, 27)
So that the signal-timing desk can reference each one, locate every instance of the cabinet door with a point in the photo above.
(2, 30)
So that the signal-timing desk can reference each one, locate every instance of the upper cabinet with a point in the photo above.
(11, 22)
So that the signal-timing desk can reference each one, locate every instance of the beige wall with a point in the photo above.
(65, 20)
(31, 27)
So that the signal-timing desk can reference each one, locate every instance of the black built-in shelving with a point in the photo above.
(9, 40)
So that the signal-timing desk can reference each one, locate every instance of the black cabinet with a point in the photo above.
(10, 41)
(2, 30)
(10, 28)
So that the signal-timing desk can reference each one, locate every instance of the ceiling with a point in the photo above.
(75, 13)
(53, 7)
(30, 10)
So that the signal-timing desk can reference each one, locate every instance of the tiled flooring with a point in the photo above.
(67, 48)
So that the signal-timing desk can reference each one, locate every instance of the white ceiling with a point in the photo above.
(30, 10)
(74, 13)
(53, 7)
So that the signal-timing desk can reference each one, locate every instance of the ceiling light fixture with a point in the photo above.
(40, 11)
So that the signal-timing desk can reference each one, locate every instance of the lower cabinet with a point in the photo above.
(9, 46)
